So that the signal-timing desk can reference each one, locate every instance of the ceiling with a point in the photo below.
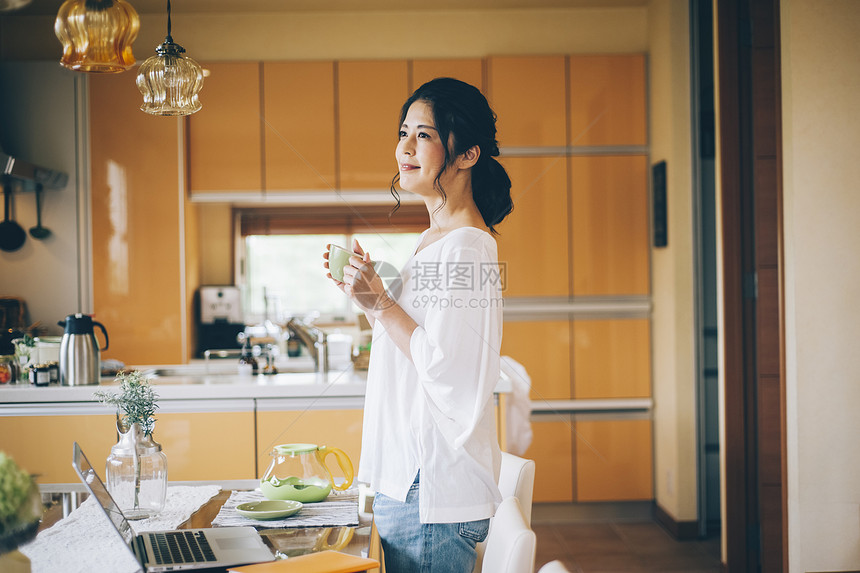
(44, 7)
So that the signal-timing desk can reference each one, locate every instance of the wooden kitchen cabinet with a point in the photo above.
(607, 100)
(528, 95)
(533, 241)
(609, 222)
(551, 449)
(207, 445)
(42, 445)
(543, 348)
(469, 70)
(335, 428)
(369, 95)
(224, 138)
(598, 371)
(613, 460)
(299, 127)
(137, 228)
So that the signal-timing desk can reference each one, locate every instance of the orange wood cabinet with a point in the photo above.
(369, 95)
(613, 460)
(528, 94)
(611, 358)
(543, 348)
(138, 286)
(607, 100)
(198, 445)
(42, 445)
(224, 139)
(533, 241)
(299, 127)
(587, 460)
(468, 70)
(609, 220)
(335, 428)
(552, 451)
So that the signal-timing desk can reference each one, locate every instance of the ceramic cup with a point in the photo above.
(338, 258)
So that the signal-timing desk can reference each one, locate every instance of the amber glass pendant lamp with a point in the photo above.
(170, 81)
(97, 35)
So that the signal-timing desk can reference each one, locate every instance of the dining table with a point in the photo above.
(75, 535)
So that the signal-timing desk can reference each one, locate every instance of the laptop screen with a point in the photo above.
(92, 480)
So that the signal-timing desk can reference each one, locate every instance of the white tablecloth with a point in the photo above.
(87, 542)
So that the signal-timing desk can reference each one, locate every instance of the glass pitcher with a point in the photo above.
(298, 472)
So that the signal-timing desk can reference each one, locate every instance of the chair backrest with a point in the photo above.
(511, 544)
(517, 478)
(554, 567)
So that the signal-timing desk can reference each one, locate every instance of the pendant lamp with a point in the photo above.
(97, 35)
(9, 5)
(170, 81)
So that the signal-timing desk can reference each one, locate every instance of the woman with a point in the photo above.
(429, 446)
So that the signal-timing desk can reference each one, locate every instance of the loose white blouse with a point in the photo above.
(435, 413)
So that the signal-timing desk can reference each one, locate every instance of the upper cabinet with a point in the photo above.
(369, 95)
(299, 127)
(528, 94)
(137, 252)
(470, 71)
(224, 138)
(607, 100)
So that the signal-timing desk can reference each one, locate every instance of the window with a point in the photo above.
(281, 254)
(284, 274)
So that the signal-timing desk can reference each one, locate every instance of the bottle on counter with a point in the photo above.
(247, 363)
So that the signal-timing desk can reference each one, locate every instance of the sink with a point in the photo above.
(222, 367)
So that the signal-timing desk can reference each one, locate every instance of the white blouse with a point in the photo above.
(435, 413)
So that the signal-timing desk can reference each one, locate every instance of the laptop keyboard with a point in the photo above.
(180, 547)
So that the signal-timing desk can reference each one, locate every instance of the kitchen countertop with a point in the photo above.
(200, 381)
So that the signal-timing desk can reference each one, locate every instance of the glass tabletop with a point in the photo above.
(61, 499)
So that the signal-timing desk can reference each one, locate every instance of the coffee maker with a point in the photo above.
(220, 318)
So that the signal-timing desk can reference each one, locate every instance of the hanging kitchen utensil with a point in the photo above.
(39, 232)
(12, 235)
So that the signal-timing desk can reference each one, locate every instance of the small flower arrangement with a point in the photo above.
(136, 401)
(20, 505)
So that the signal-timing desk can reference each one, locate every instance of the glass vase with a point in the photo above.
(137, 473)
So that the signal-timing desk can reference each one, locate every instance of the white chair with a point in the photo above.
(516, 479)
(511, 544)
(554, 567)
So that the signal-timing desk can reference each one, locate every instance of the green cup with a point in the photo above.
(338, 258)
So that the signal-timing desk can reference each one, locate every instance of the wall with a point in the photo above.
(672, 267)
(821, 135)
(38, 116)
(362, 34)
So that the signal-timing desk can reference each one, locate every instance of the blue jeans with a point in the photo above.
(414, 547)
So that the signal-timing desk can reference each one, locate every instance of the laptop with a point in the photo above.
(180, 549)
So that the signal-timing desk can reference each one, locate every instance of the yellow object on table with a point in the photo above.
(322, 562)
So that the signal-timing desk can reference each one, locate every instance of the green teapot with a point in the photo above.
(299, 472)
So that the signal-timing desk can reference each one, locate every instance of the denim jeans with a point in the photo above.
(414, 547)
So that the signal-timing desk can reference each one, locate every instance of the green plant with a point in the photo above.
(20, 505)
(136, 400)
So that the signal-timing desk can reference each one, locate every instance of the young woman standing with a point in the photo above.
(429, 446)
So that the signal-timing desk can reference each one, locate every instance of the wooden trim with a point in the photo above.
(680, 530)
(332, 219)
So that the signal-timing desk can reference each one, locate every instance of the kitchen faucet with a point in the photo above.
(315, 339)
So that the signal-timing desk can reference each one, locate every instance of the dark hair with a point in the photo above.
(461, 110)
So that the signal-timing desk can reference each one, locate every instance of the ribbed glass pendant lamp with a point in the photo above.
(170, 81)
(97, 35)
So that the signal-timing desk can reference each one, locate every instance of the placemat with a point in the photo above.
(340, 508)
(86, 541)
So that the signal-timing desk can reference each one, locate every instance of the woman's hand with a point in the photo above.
(361, 283)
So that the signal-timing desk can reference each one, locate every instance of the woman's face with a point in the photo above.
(420, 153)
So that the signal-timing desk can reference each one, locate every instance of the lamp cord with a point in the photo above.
(168, 20)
